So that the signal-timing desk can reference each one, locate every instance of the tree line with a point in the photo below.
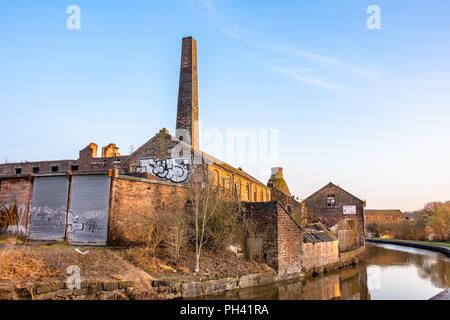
(432, 222)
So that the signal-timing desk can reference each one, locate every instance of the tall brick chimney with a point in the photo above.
(187, 112)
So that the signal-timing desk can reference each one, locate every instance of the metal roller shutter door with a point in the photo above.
(89, 210)
(49, 208)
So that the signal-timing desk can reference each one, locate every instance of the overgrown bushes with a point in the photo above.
(206, 219)
(430, 223)
(17, 264)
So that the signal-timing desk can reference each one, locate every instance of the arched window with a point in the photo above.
(262, 195)
(238, 187)
(255, 195)
(217, 177)
(248, 192)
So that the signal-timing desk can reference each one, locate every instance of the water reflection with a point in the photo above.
(396, 272)
(389, 272)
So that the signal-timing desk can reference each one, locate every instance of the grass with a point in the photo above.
(4, 239)
(17, 264)
(436, 244)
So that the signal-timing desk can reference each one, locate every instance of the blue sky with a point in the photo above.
(366, 109)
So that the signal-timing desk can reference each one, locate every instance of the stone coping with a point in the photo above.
(172, 289)
(88, 290)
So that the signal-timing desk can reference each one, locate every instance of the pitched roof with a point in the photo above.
(203, 155)
(331, 184)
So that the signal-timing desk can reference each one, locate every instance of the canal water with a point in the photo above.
(389, 272)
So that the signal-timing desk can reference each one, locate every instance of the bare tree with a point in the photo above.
(213, 210)
(177, 231)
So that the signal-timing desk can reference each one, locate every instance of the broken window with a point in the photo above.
(54, 168)
(331, 201)
(36, 169)
(18, 170)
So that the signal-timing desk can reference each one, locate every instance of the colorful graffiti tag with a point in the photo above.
(177, 170)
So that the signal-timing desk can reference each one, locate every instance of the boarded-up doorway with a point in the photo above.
(49, 208)
(89, 210)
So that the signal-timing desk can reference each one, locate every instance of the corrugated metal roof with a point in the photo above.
(323, 236)
(316, 232)
(309, 237)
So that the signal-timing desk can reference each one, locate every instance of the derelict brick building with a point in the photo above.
(341, 211)
(78, 200)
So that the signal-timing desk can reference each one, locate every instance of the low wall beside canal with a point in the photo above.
(431, 247)
(172, 289)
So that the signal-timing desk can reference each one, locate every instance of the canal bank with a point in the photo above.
(388, 272)
(414, 244)
(172, 289)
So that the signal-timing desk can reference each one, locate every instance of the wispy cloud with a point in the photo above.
(229, 32)
(206, 3)
(304, 79)
(326, 64)
(311, 56)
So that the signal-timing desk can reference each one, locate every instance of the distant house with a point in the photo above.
(382, 216)
(341, 211)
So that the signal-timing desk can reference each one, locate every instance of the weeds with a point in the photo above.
(17, 264)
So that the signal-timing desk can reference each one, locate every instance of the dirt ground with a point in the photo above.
(22, 264)
(25, 265)
(213, 265)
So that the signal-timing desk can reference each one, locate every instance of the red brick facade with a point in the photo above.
(17, 191)
(320, 254)
(290, 243)
(328, 205)
(282, 237)
(138, 196)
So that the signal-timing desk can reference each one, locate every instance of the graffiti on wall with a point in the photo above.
(88, 222)
(177, 170)
(13, 218)
(52, 219)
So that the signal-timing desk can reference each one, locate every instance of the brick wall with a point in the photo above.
(282, 237)
(290, 243)
(17, 191)
(45, 167)
(287, 201)
(264, 216)
(131, 197)
(320, 254)
(317, 208)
